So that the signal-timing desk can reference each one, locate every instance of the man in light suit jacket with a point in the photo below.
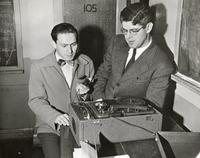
(54, 83)
(133, 64)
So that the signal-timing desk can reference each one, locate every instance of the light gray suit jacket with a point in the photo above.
(148, 77)
(49, 93)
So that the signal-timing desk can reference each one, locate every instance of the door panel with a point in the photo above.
(96, 21)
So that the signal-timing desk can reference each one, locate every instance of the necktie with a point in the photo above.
(132, 60)
(67, 70)
(62, 62)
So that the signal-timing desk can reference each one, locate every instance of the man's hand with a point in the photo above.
(82, 89)
(62, 120)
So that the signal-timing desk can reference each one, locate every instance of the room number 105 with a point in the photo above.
(90, 8)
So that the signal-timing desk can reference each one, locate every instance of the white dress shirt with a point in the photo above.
(139, 51)
(66, 69)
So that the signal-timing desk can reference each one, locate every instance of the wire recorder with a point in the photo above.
(122, 119)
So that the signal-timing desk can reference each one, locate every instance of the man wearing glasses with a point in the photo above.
(55, 81)
(133, 64)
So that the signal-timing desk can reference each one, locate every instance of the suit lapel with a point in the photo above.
(141, 65)
(76, 65)
(121, 56)
(52, 63)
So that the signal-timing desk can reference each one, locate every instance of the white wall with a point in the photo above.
(120, 5)
(37, 22)
(37, 19)
(186, 104)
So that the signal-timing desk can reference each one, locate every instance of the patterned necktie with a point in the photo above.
(62, 62)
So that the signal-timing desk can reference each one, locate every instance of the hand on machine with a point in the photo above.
(84, 88)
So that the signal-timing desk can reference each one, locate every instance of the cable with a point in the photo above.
(125, 152)
(147, 130)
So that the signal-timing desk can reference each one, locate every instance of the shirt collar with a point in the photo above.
(58, 56)
(142, 49)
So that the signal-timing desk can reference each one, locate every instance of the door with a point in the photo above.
(96, 22)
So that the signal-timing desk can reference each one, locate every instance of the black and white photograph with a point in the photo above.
(99, 79)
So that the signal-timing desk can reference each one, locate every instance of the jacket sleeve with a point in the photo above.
(38, 99)
(159, 84)
(103, 73)
(88, 96)
(91, 69)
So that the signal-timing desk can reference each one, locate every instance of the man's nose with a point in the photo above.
(69, 48)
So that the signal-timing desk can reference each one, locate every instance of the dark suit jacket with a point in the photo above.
(49, 93)
(148, 77)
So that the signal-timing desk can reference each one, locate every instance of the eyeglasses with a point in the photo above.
(131, 31)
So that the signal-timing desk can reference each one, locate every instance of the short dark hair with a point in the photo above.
(63, 28)
(138, 13)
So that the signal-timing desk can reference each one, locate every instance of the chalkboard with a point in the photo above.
(189, 48)
(9, 36)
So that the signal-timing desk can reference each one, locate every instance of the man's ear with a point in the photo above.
(54, 44)
(149, 27)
